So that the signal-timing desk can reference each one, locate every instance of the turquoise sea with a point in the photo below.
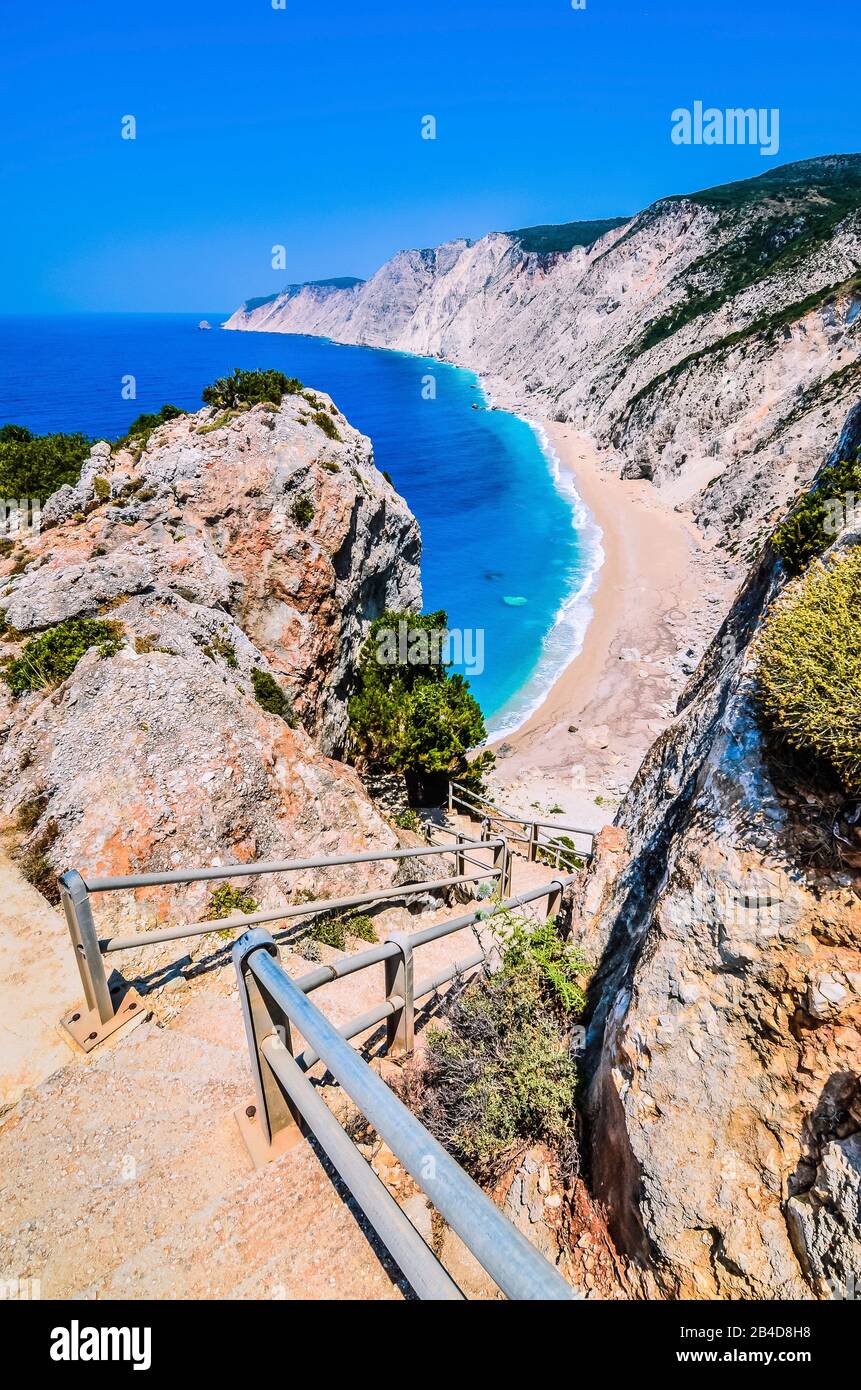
(508, 550)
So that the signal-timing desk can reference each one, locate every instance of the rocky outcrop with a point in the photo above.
(223, 548)
(724, 1047)
(711, 342)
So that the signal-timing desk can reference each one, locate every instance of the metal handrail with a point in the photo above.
(106, 1009)
(272, 1005)
(401, 949)
(285, 912)
(533, 840)
(272, 866)
(524, 820)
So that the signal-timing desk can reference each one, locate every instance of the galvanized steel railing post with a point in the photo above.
(400, 982)
(500, 854)
(459, 865)
(554, 900)
(82, 929)
(271, 1123)
(104, 1010)
(505, 1252)
(533, 842)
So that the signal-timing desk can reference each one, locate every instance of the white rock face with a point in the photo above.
(724, 1050)
(732, 410)
(159, 754)
(209, 515)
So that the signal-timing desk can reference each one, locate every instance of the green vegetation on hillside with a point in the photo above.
(410, 714)
(765, 327)
(767, 225)
(499, 1077)
(333, 931)
(338, 282)
(35, 465)
(302, 511)
(270, 696)
(227, 901)
(564, 236)
(325, 422)
(50, 658)
(140, 429)
(814, 522)
(243, 388)
(809, 665)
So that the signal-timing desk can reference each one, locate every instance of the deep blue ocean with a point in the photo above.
(497, 523)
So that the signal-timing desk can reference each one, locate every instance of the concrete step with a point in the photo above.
(126, 1177)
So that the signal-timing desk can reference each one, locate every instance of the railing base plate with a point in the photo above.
(259, 1148)
(83, 1030)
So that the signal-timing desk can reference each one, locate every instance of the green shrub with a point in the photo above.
(812, 525)
(500, 1076)
(219, 422)
(302, 511)
(37, 868)
(412, 715)
(562, 967)
(561, 851)
(326, 424)
(333, 931)
(102, 489)
(50, 658)
(219, 646)
(809, 665)
(225, 901)
(249, 388)
(140, 429)
(407, 820)
(30, 812)
(35, 465)
(271, 697)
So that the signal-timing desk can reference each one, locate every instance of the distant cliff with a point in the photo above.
(711, 340)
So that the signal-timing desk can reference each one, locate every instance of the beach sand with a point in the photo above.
(660, 597)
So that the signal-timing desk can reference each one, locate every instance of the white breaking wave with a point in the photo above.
(564, 641)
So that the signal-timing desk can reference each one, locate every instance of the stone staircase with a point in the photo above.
(125, 1177)
(123, 1173)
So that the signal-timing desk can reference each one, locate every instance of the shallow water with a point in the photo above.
(507, 552)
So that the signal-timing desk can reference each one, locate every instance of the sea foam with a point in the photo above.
(564, 639)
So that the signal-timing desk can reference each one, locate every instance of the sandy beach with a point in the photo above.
(658, 601)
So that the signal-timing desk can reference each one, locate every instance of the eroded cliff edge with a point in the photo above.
(232, 543)
(724, 1049)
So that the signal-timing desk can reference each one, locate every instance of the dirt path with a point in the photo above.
(38, 982)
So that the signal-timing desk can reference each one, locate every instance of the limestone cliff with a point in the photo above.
(724, 1050)
(711, 341)
(226, 546)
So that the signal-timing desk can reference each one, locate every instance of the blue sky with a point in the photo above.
(301, 126)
